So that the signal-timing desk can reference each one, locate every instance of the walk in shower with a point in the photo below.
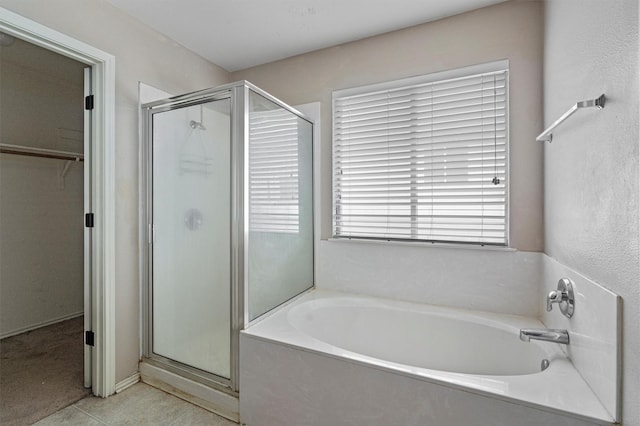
(228, 223)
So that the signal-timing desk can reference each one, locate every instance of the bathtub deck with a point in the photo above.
(558, 390)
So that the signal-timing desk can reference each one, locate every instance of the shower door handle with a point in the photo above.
(152, 234)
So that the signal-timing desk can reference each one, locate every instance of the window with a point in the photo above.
(423, 158)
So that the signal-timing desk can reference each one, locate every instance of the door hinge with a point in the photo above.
(89, 220)
(88, 102)
(89, 338)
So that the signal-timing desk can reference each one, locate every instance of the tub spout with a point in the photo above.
(545, 334)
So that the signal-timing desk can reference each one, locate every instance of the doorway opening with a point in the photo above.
(45, 262)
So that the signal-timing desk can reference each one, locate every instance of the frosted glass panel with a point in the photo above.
(280, 205)
(191, 249)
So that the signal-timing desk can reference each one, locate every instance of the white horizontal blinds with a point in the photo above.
(273, 171)
(425, 162)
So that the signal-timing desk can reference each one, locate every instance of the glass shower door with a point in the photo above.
(280, 237)
(191, 236)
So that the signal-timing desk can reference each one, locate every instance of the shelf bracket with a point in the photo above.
(63, 170)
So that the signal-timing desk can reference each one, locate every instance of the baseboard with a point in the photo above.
(128, 382)
(40, 325)
(208, 398)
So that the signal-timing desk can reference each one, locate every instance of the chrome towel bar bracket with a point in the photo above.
(547, 135)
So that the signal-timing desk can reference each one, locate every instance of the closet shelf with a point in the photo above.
(40, 152)
(547, 135)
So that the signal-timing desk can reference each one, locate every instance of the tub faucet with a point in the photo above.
(545, 334)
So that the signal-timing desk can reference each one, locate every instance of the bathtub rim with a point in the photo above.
(560, 369)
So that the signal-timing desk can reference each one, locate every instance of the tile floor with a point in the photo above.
(141, 404)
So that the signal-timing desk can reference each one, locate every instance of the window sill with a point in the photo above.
(421, 244)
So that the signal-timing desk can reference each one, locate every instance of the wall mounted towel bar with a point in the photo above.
(547, 135)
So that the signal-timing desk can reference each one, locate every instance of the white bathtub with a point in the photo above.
(447, 350)
(419, 336)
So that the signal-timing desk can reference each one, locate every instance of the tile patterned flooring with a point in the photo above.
(141, 404)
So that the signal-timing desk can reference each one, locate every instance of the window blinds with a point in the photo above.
(273, 171)
(423, 162)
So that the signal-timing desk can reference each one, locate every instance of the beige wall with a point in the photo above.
(591, 168)
(508, 31)
(512, 31)
(141, 55)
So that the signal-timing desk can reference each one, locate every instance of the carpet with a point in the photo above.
(41, 371)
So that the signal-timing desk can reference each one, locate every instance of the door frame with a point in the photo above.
(102, 265)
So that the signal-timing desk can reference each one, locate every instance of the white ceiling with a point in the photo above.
(238, 34)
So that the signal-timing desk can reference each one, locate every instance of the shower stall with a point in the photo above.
(228, 224)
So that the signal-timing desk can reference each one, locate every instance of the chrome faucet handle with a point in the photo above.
(553, 297)
(563, 296)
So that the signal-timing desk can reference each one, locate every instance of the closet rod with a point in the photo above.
(40, 152)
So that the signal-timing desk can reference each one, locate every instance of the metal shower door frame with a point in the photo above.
(238, 93)
(229, 385)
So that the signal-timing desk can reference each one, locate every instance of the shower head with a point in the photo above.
(196, 125)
